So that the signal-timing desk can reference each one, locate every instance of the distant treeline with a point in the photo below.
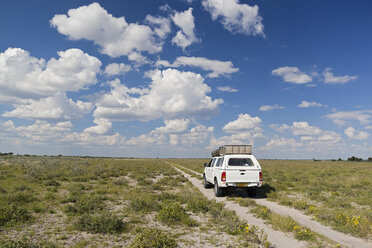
(352, 158)
(6, 154)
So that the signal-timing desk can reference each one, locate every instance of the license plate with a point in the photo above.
(242, 184)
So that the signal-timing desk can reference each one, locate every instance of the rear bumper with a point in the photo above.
(241, 184)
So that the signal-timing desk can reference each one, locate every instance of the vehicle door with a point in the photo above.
(209, 171)
(217, 169)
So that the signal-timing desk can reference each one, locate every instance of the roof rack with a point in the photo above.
(232, 149)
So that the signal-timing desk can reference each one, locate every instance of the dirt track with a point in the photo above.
(305, 220)
(281, 240)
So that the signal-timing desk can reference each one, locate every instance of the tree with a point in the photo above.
(353, 158)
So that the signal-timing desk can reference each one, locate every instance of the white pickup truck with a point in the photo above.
(233, 166)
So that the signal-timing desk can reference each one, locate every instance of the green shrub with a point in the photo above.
(52, 183)
(89, 203)
(20, 196)
(166, 196)
(26, 243)
(262, 212)
(101, 222)
(301, 205)
(86, 204)
(198, 204)
(120, 182)
(13, 213)
(2, 190)
(173, 214)
(145, 204)
(153, 238)
(50, 196)
(227, 219)
(303, 233)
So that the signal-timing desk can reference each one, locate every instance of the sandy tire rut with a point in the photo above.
(276, 237)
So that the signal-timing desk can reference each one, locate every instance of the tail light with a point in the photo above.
(223, 177)
(260, 176)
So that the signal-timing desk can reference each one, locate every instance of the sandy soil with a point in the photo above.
(277, 238)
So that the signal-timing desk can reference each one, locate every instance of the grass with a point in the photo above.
(106, 202)
(150, 238)
(173, 214)
(335, 193)
(100, 222)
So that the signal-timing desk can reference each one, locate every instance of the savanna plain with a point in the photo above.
(117, 202)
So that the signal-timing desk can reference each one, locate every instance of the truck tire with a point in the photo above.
(252, 192)
(218, 192)
(207, 185)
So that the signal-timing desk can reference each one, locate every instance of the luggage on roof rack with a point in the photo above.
(232, 149)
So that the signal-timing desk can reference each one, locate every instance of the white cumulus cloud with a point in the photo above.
(57, 107)
(116, 69)
(306, 104)
(235, 17)
(172, 93)
(101, 127)
(173, 133)
(23, 77)
(329, 78)
(243, 123)
(227, 89)
(114, 35)
(354, 134)
(292, 75)
(342, 117)
(218, 68)
(162, 25)
(244, 130)
(39, 131)
(185, 21)
(270, 107)
(310, 133)
(174, 126)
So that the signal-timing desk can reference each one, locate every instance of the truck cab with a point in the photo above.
(233, 169)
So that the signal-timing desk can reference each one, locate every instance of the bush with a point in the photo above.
(262, 212)
(13, 213)
(173, 213)
(228, 220)
(198, 204)
(353, 158)
(20, 195)
(153, 238)
(86, 204)
(26, 243)
(52, 183)
(301, 205)
(144, 204)
(101, 222)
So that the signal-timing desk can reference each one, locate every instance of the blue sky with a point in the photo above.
(180, 78)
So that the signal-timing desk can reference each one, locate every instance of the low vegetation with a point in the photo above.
(335, 193)
(102, 202)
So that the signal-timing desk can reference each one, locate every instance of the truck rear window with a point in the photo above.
(240, 162)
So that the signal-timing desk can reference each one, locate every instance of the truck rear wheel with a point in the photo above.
(217, 190)
(207, 185)
(252, 191)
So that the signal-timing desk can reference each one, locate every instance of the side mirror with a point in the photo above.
(205, 164)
